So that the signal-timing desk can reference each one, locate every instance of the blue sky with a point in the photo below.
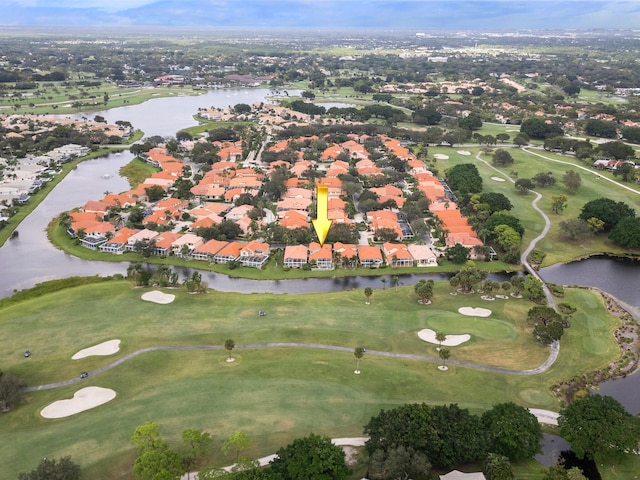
(419, 14)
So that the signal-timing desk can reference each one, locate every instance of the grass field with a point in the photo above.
(275, 394)
(527, 165)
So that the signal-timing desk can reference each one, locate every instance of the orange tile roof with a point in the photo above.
(296, 252)
(231, 249)
(369, 252)
(211, 247)
(294, 219)
(346, 250)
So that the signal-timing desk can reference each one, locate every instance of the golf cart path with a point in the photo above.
(555, 349)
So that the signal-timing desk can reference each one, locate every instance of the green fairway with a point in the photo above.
(274, 394)
(528, 164)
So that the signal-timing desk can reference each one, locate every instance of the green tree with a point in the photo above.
(502, 218)
(572, 181)
(368, 291)
(524, 185)
(617, 150)
(154, 193)
(464, 178)
(236, 442)
(195, 445)
(460, 438)
(398, 463)
(512, 431)
(408, 425)
(358, 353)
(424, 290)
(468, 276)
(575, 229)
(627, 232)
(533, 288)
(470, 122)
(444, 354)
(11, 390)
(496, 201)
(52, 469)
(598, 426)
(310, 458)
(508, 239)
(502, 158)
(559, 203)
(147, 437)
(607, 210)
(498, 467)
(158, 464)
(458, 253)
(547, 333)
(229, 345)
(440, 337)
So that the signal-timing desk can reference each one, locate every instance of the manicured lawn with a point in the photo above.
(275, 394)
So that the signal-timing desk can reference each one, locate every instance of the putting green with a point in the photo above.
(537, 397)
(455, 323)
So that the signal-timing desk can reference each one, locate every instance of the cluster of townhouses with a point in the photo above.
(228, 180)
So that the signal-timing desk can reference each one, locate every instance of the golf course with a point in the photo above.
(272, 393)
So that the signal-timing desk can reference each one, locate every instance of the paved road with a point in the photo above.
(318, 346)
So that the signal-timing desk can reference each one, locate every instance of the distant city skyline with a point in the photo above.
(416, 14)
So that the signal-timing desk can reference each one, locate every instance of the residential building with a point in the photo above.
(295, 256)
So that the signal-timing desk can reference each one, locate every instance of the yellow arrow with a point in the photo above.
(321, 223)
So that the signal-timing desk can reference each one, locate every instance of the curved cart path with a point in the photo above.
(555, 349)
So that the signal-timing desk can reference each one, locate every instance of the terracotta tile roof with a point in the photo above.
(211, 247)
(294, 219)
(296, 252)
(316, 252)
(369, 252)
(166, 239)
(294, 204)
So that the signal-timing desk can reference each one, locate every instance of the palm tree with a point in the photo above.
(64, 220)
(229, 345)
(384, 283)
(368, 291)
(395, 281)
(358, 353)
(444, 355)
(440, 337)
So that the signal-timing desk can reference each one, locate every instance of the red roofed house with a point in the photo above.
(369, 256)
(229, 252)
(321, 257)
(164, 243)
(346, 253)
(255, 254)
(294, 219)
(295, 256)
(117, 245)
(397, 254)
(208, 250)
(185, 244)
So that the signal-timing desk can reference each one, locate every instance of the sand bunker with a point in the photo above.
(474, 312)
(84, 399)
(497, 179)
(158, 297)
(105, 348)
(451, 341)
(441, 156)
(464, 152)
